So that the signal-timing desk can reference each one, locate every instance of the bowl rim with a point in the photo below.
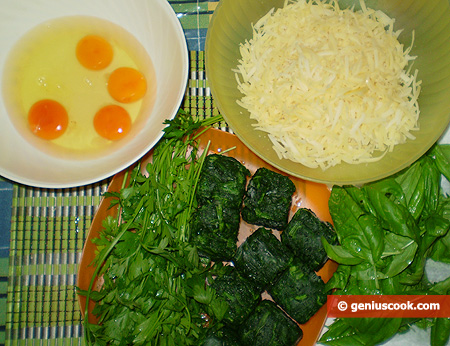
(8, 172)
(291, 168)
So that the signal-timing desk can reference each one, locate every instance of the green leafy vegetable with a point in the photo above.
(261, 258)
(268, 198)
(440, 332)
(269, 326)
(386, 231)
(303, 236)
(215, 229)
(222, 337)
(154, 290)
(299, 291)
(222, 181)
(240, 296)
(215, 224)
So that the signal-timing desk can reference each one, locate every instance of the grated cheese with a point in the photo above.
(329, 85)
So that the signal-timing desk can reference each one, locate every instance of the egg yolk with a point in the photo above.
(127, 85)
(94, 52)
(48, 119)
(112, 122)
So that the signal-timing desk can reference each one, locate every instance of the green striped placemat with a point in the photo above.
(3, 296)
(6, 190)
(48, 229)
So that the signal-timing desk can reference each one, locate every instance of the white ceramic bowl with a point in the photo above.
(155, 25)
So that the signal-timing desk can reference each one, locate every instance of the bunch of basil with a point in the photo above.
(387, 230)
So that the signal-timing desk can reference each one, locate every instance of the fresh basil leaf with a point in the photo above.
(441, 287)
(374, 331)
(441, 153)
(342, 333)
(440, 332)
(340, 279)
(399, 253)
(391, 286)
(361, 287)
(367, 272)
(435, 225)
(360, 197)
(414, 273)
(339, 254)
(358, 232)
(413, 186)
(441, 249)
(393, 215)
(413, 214)
(432, 179)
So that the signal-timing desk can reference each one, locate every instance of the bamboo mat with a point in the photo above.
(40, 251)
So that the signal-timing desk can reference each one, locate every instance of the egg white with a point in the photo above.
(43, 65)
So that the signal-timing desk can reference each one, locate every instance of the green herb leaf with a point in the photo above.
(154, 289)
(409, 215)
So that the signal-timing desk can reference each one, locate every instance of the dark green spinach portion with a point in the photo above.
(239, 294)
(261, 258)
(386, 232)
(268, 199)
(269, 326)
(299, 291)
(220, 190)
(215, 231)
(222, 181)
(223, 337)
(303, 236)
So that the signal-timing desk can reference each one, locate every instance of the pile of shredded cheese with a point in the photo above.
(329, 85)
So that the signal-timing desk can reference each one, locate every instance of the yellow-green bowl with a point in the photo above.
(231, 24)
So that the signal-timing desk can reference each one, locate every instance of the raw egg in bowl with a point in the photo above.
(86, 88)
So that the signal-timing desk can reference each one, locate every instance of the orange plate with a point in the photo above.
(308, 195)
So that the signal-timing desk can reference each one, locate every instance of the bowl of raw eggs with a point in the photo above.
(85, 87)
